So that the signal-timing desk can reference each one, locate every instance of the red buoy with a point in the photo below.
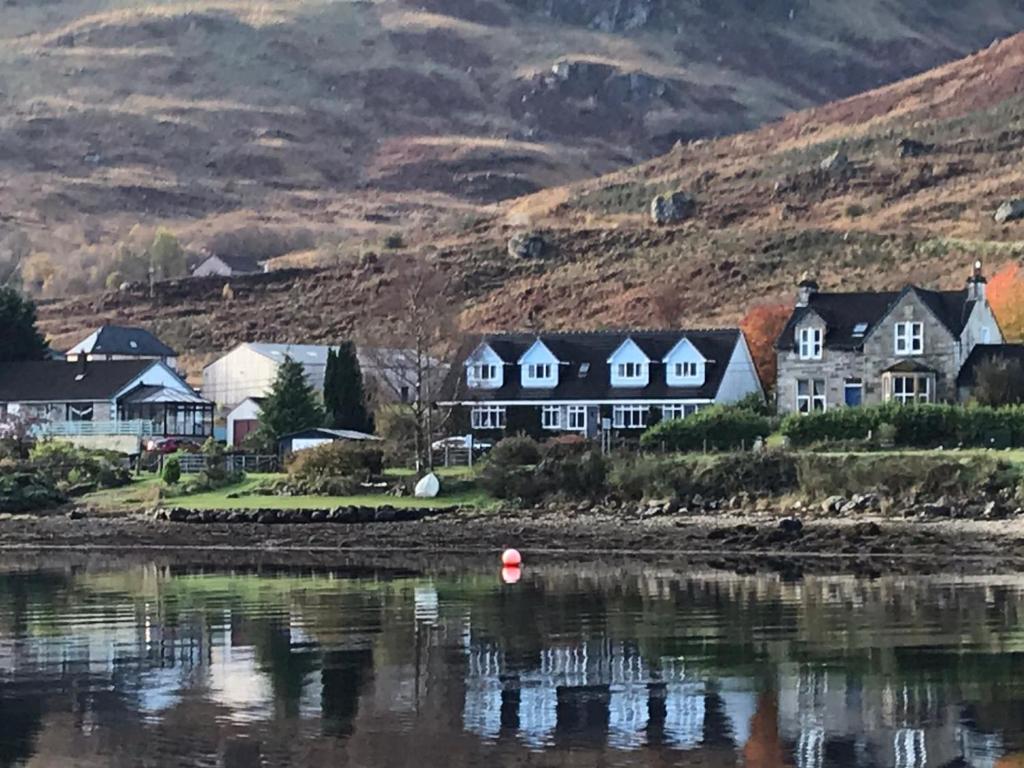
(511, 558)
(510, 574)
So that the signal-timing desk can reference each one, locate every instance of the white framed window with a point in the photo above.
(488, 417)
(810, 343)
(810, 395)
(551, 417)
(630, 416)
(631, 370)
(538, 371)
(911, 389)
(909, 338)
(483, 373)
(576, 417)
(686, 370)
(673, 411)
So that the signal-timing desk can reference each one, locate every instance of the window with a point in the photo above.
(810, 343)
(488, 417)
(674, 411)
(810, 395)
(485, 372)
(632, 416)
(551, 417)
(910, 389)
(577, 417)
(860, 329)
(631, 370)
(404, 394)
(584, 370)
(78, 412)
(909, 338)
(538, 371)
(686, 370)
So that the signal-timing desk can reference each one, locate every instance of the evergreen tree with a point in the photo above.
(291, 405)
(19, 338)
(344, 395)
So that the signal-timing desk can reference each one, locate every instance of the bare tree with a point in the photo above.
(407, 361)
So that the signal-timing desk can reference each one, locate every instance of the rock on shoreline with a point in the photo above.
(353, 515)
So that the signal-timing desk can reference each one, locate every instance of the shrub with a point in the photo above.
(69, 465)
(28, 491)
(519, 450)
(396, 426)
(355, 461)
(719, 428)
(172, 471)
(768, 472)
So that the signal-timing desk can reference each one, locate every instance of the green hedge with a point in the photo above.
(719, 428)
(912, 426)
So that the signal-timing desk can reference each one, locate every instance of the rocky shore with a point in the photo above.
(744, 541)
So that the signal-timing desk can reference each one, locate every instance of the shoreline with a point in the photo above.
(744, 543)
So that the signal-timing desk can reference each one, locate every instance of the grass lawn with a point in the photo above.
(143, 493)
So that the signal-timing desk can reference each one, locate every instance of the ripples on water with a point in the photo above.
(573, 666)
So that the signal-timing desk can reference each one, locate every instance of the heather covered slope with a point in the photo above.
(344, 121)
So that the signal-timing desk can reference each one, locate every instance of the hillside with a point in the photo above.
(766, 212)
(331, 124)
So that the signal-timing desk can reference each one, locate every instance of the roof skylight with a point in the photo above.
(860, 329)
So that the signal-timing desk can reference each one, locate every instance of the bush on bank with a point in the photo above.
(719, 428)
(911, 426)
(336, 469)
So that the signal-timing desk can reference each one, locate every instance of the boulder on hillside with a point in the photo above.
(673, 208)
(1011, 210)
(527, 245)
(837, 162)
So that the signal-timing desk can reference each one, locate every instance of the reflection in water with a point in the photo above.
(571, 666)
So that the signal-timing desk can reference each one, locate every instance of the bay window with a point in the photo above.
(911, 389)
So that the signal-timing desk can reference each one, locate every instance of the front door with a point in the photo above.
(854, 392)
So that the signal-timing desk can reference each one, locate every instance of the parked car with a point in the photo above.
(460, 441)
(172, 445)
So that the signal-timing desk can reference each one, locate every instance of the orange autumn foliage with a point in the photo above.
(1006, 296)
(762, 326)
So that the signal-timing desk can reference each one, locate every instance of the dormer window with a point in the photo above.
(631, 370)
(686, 370)
(485, 372)
(810, 343)
(909, 338)
(538, 371)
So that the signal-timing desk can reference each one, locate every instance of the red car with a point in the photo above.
(172, 445)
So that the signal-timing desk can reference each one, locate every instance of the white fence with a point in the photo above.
(135, 428)
(197, 462)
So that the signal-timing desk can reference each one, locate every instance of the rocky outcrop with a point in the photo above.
(673, 208)
(340, 515)
(912, 148)
(604, 15)
(835, 163)
(1011, 210)
(527, 245)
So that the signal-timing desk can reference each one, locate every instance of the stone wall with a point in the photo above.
(352, 515)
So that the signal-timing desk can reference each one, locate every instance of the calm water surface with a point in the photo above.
(576, 665)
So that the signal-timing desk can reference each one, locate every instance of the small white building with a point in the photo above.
(228, 266)
(244, 419)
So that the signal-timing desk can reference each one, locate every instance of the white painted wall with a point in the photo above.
(684, 352)
(239, 374)
(740, 378)
(247, 410)
(538, 354)
(157, 375)
(301, 444)
(981, 328)
(212, 266)
(629, 352)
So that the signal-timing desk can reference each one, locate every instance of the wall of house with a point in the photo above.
(981, 328)
(740, 378)
(835, 366)
(239, 374)
(629, 352)
(941, 350)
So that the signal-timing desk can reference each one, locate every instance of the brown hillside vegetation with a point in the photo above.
(350, 120)
(766, 212)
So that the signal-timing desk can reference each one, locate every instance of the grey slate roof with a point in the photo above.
(983, 353)
(120, 340)
(594, 348)
(843, 312)
(61, 381)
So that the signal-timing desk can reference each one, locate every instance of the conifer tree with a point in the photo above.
(344, 394)
(19, 337)
(291, 406)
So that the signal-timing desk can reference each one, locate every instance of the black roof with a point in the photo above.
(52, 380)
(120, 340)
(984, 353)
(843, 313)
(584, 373)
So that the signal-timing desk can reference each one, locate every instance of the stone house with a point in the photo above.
(848, 349)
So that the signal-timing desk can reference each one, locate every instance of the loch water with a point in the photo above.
(577, 664)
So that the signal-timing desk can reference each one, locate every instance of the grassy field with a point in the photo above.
(144, 493)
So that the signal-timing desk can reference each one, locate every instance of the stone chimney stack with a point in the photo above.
(806, 289)
(976, 284)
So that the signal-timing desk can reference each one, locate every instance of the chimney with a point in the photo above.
(976, 284)
(806, 289)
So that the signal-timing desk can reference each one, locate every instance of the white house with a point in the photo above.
(227, 266)
(583, 382)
